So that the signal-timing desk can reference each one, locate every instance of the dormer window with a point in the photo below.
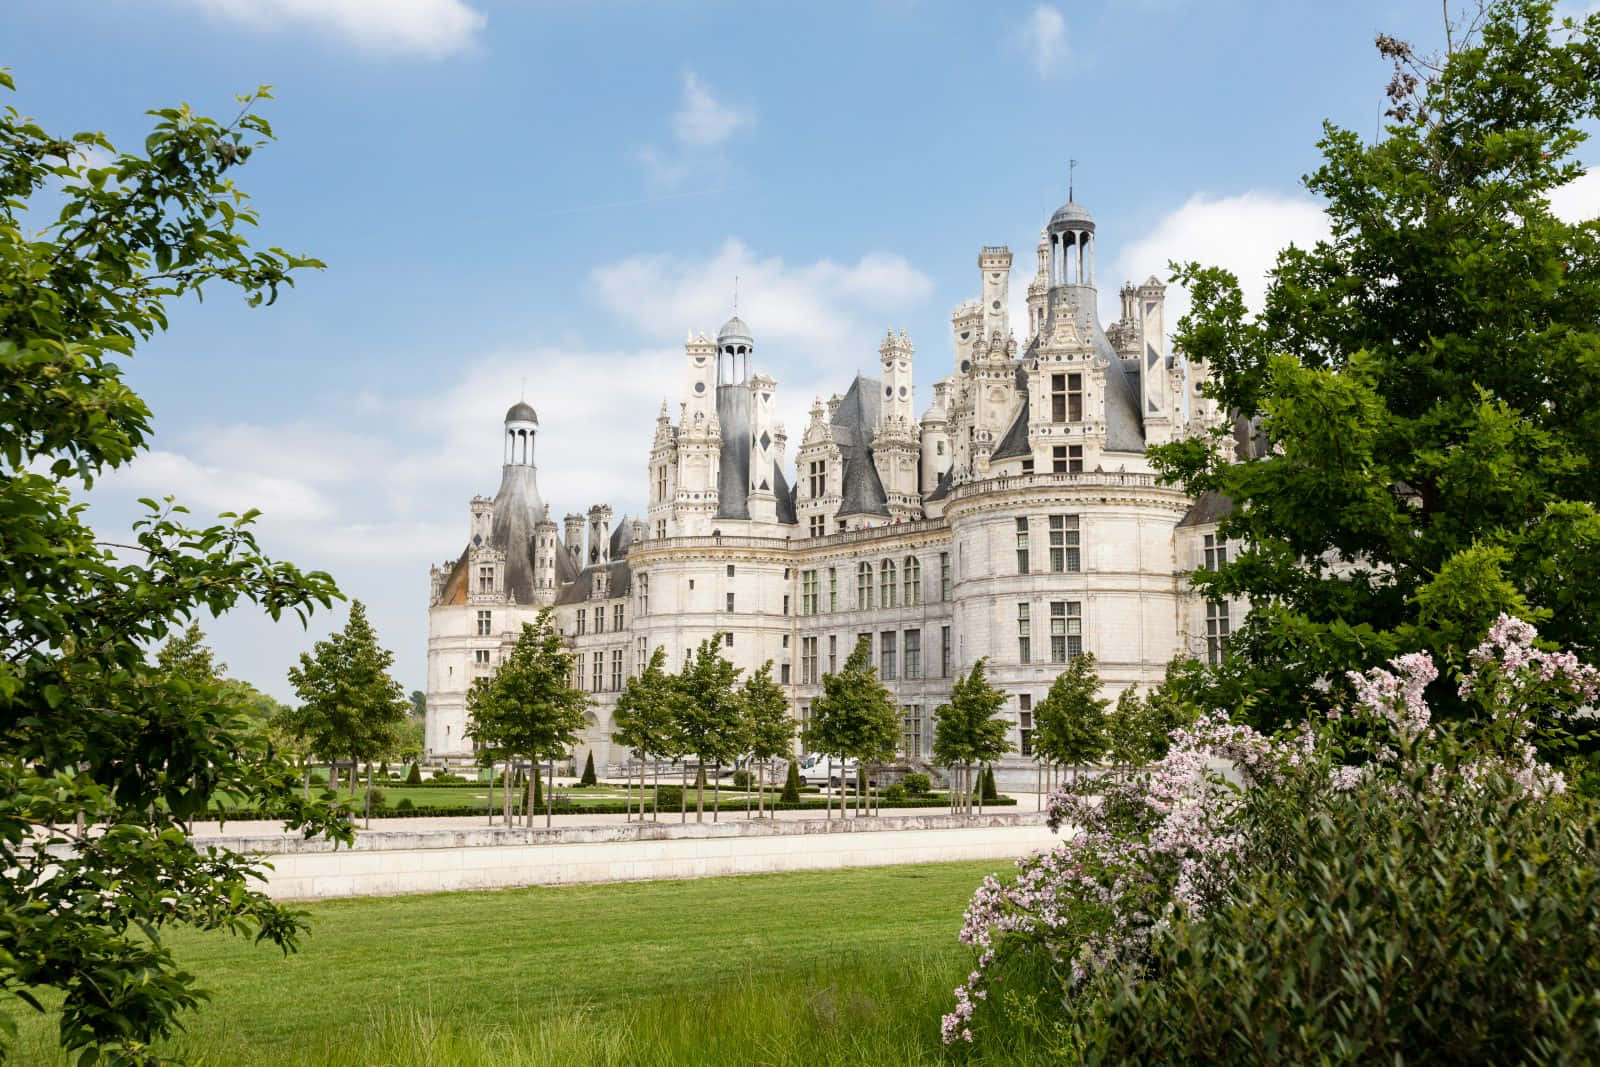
(486, 578)
(1066, 397)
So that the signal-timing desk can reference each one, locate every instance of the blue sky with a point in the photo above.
(509, 192)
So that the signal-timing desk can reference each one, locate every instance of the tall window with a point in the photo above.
(486, 579)
(913, 650)
(808, 592)
(886, 655)
(730, 570)
(808, 661)
(911, 730)
(786, 603)
(886, 583)
(1025, 723)
(913, 595)
(644, 594)
(616, 669)
(818, 525)
(818, 478)
(1216, 551)
(616, 617)
(730, 602)
(944, 651)
(1066, 397)
(583, 615)
(661, 482)
(1022, 546)
(480, 659)
(1217, 630)
(599, 619)
(1024, 634)
(783, 674)
(833, 588)
(485, 623)
(599, 672)
(1066, 459)
(864, 586)
(577, 668)
(1064, 551)
(833, 653)
(944, 576)
(1066, 630)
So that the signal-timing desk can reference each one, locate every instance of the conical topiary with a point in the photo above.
(414, 775)
(791, 785)
(989, 790)
(588, 771)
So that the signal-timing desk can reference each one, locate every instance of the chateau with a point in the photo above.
(1017, 518)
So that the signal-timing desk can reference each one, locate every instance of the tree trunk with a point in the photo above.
(549, 794)
(308, 779)
(761, 791)
(716, 790)
(683, 798)
(369, 795)
(827, 801)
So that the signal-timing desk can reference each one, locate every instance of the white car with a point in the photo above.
(818, 769)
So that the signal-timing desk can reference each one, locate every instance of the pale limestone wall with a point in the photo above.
(399, 862)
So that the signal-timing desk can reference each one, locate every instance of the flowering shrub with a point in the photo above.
(1174, 844)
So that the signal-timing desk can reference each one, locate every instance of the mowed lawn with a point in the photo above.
(813, 967)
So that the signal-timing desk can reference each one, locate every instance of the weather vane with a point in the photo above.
(1072, 165)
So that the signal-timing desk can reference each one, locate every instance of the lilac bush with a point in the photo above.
(1169, 839)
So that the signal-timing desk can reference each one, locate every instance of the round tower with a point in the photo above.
(522, 423)
(1071, 235)
(734, 348)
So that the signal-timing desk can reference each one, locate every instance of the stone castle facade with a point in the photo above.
(1017, 519)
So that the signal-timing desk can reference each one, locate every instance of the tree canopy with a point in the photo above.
(350, 705)
(1419, 388)
(1069, 724)
(710, 716)
(529, 706)
(92, 733)
(855, 717)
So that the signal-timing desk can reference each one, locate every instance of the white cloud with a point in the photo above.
(702, 121)
(1044, 35)
(1578, 201)
(1243, 233)
(428, 27)
(207, 488)
(701, 126)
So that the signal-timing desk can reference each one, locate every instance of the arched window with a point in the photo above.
(913, 595)
(864, 586)
(887, 587)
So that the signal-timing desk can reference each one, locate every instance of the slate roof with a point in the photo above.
(577, 591)
(1015, 442)
(733, 475)
(853, 426)
(517, 508)
(1209, 510)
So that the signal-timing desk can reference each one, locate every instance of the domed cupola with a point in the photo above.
(734, 346)
(522, 424)
(1071, 237)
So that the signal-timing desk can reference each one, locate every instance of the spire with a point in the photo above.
(1072, 165)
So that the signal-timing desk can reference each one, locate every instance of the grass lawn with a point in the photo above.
(850, 966)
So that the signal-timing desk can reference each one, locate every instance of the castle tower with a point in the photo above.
(546, 544)
(1068, 382)
(663, 474)
(895, 446)
(1159, 417)
(522, 425)
(936, 455)
(966, 323)
(735, 346)
(766, 448)
(994, 262)
(574, 531)
(1039, 286)
(699, 441)
(600, 534)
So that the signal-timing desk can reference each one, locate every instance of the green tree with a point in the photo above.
(646, 717)
(349, 701)
(1421, 385)
(1070, 722)
(419, 704)
(968, 732)
(855, 716)
(709, 715)
(529, 707)
(1133, 735)
(769, 726)
(93, 734)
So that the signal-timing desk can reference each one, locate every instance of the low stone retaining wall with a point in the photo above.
(384, 863)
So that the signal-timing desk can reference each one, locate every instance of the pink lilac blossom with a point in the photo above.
(1167, 838)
